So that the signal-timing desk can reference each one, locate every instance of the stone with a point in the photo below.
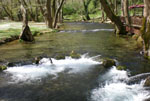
(140, 42)
(37, 59)
(3, 67)
(108, 63)
(147, 82)
(121, 67)
(60, 56)
(75, 55)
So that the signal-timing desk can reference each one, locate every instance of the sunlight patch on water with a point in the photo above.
(117, 90)
(34, 72)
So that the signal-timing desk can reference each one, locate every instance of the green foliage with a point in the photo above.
(68, 10)
(2, 67)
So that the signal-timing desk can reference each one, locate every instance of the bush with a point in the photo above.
(68, 10)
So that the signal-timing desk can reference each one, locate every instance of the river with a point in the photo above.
(69, 79)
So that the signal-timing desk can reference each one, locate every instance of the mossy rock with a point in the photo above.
(147, 82)
(108, 63)
(121, 68)
(60, 56)
(140, 42)
(2, 67)
(75, 55)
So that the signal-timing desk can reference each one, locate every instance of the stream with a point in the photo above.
(83, 79)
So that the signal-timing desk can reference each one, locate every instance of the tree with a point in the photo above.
(120, 29)
(26, 34)
(145, 30)
(49, 14)
(86, 11)
(57, 12)
(126, 12)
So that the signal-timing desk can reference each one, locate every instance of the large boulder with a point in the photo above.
(147, 82)
(108, 63)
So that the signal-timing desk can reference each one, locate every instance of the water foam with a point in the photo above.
(34, 72)
(92, 30)
(117, 90)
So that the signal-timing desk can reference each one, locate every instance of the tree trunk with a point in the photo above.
(126, 12)
(122, 8)
(145, 30)
(57, 12)
(86, 11)
(42, 11)
(8, 12)
(26, 34)
(49, 15)
(120, 29)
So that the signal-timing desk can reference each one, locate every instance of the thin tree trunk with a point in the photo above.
(117, 21)
(126, 12)
(57, 12)
(49, 16)
(145, 30)
(8, 12)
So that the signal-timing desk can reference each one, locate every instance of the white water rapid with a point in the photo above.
(45, 68)
(115, 89)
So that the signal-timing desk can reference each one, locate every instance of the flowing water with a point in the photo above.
(69, 79)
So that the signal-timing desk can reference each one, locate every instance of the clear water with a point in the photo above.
(70, 79)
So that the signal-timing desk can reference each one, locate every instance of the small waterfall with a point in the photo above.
(36, 72)
(115, 89)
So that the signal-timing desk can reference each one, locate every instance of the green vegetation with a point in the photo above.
(35, 29)
(121, 68)
(2, 67)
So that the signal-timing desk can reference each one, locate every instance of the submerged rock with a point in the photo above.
(108, 63)
(147, 82)
(2, 67)
(121, 67)
(75, 55)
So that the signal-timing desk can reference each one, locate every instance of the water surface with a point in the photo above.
(73, 79)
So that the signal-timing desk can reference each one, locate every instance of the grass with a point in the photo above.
(15, 31)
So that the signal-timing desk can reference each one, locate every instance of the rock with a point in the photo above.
(147, 82)
(37, 59)
(140, 42)
(60, 56)
(108, 63)
(2, 67)
(148, 99)
(11, 64)
(75, 55)
(121, 67)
